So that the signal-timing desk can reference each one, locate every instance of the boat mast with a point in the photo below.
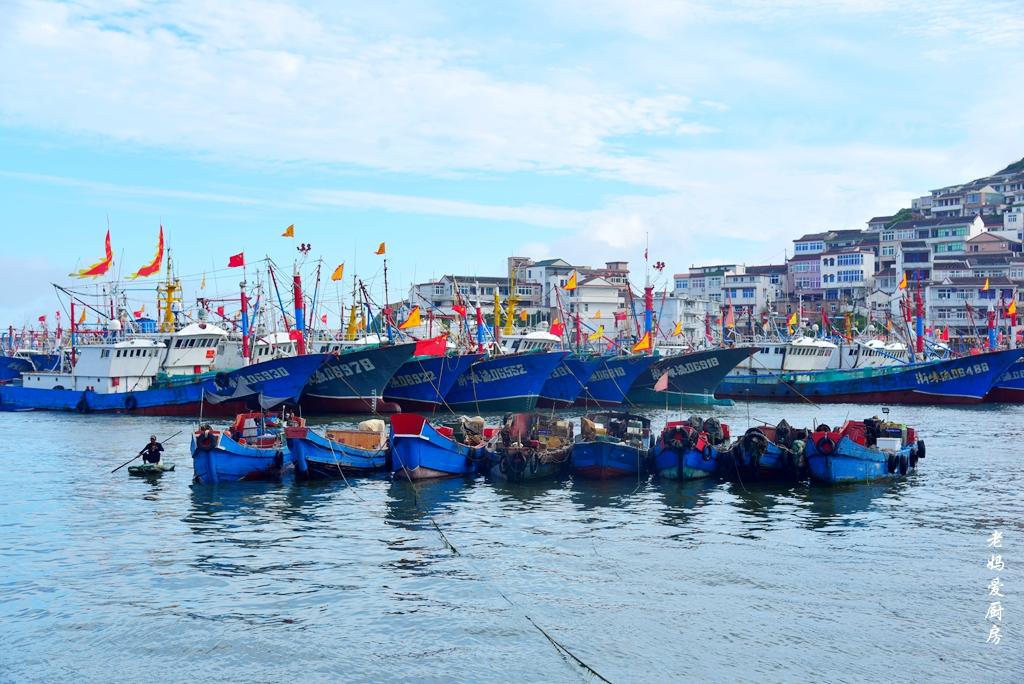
(167, 293)
(245, 324)
(300, 321)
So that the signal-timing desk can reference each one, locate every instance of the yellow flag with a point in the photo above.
(644, 344)
(678, 329)
(289, 231)
(596, 335)
(903, 283)
(413, 320)
(794, 320)
(571, 283)
(362, 322)
(81, 319)
(202, 284)
(382, 249)
(985, 287)
(597, 314)
(338, 272)
(522, 315)
(1012, 308)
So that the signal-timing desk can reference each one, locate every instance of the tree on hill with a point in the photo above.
(1013, 168)
(904, 214)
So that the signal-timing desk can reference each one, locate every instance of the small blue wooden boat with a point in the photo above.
(862, 451)
(531, 446)
(611, 444)
(766, 453)
(252, 449)
(688, 450)
(421, 451)
(338, 453)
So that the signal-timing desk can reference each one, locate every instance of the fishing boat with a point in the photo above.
(568, 381)
(611, 444)
(862, 451)
(422, 382)
(12, 367)
(1009, 388)
(353, 380)
(338, 453)
(505, 383)
(421, 451)
(766, 452)
(609, 384)
(688, 449)
(150, 469)
(692, 378)
(965, 380)
(531, 446)
(124, 377)
(252, 448)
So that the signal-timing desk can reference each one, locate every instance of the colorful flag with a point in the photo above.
(81, 319)
(620, 316)
(903, 283)
(662, 384)
(42, 319)
(339, 272)
(434, 346)
(985, 287)
(413, 320)
(597, 334)
(220, 311)
(730, 318)
(557, 328)
(140, 312)
(644, 344)
(236, 260)
(571, 283)
(794, 321)
(459, 309)
(323, 319)
(202, 283)
(289, 231)
(101, 266)
(153, 266)
(382, 249)
(678, 330)
(597, 314)
(523, 315)
(1011, 310)
(945, 334)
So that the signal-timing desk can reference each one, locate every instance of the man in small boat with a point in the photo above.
(151, 452)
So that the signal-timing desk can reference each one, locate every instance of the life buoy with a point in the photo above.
(920, 448)
(206, 441)
(131, 403)
(707, 453)
(904, 464)
(826, 445)
(890, 463)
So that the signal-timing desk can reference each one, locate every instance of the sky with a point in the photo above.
(463, 133)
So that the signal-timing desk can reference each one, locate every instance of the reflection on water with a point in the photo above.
(355, 578)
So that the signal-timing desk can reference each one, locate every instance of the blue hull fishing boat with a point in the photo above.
(338, 453)
(1009, 387)
(563, 387)
(611, 445)
(503, 384)
(966, 380)
(11, 368)
(251, 450)
(689, 450)
(420, 451)
(422, 382)
(862, 451)
(766, 453)
(610, 383)
(353, 380)
(267, 384)
(692, 378)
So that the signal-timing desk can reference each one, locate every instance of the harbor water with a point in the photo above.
(108, 578)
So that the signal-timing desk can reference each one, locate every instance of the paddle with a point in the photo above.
(140, 453)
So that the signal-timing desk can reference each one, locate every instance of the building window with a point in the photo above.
(850, 259)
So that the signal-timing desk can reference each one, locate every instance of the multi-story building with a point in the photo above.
(847, 275)
(596, 300)
(550, 274)
(474, 291)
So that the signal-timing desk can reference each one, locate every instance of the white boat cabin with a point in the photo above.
(800, 354)
(276, 345)
(539, 340)
(126, 366)
(872, 354)
(191, 350)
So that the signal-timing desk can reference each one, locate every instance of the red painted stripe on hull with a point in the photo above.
(1006, 395)
(347, 405)
(901, 397)
(601, 473)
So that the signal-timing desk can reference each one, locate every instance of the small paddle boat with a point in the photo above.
(530, 446)
(420, 450)
(611, 444)
(338, 453)
(689, 449)
(150, 469)
(252, 448)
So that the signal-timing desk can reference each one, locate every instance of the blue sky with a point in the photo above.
(462, 133)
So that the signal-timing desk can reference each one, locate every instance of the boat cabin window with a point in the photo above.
(105, 353)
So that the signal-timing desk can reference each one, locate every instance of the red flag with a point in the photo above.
(237, 260)
(220, 311)
(101, 266)
(824, 318)
(620, 316)
(323, 319)
(153, 266)
(662, 384)
(294, 334)
(434, 346)
(945, 334)
(42, 319)
(459, 309)
(557, 328)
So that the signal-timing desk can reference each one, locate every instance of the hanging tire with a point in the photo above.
(534, 463)
(913, 458)
(920, 448)
(503, 464)
(823, 428)
(83, 404)
(130, 403)
(826, 446)
(890, 463)
(206, 441)
(904, 464)
(707, 453)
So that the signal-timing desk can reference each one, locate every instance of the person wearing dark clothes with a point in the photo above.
(151, 452)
